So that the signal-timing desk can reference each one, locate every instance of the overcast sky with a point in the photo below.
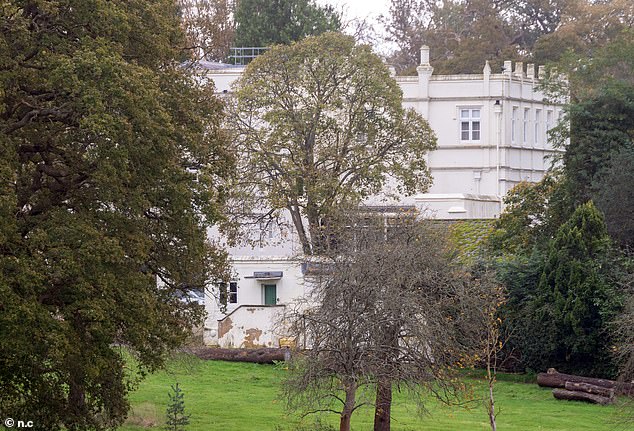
(361, 9)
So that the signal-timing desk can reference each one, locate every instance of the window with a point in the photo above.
(549, 121)
(231, 295)
(514, 125)
(233, 292)
(469, 124)
(525, 137)
(538, 120)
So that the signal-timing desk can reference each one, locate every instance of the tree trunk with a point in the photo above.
(258, 356)
(296, 216)
(383, 405)
(316, 230)
(348, 408)
(563, 394)
(590, 389)
(554, 379)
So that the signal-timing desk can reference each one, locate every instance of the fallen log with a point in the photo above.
(564, 394)
(258, 356)
(590, 389)
(554, 379)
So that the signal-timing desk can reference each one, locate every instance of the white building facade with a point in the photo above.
(492, 131)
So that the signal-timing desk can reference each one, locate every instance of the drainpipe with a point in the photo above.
(497, 109)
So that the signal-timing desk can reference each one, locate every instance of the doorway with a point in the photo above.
(270, 294)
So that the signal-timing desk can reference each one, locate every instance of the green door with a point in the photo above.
(270, 294)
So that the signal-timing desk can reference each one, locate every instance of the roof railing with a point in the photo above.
(244, 55)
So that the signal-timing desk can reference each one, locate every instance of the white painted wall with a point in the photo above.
(470, 179)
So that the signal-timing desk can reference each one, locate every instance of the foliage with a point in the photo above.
(261, 23)
(532, 213)
(320, 126)
(177, 420)
(563, 321)
(461, 34)
(615, 196)
(209, 27)
(390, 309)
(600, 127)
(112, 161)
(624, 328)
(583, 27)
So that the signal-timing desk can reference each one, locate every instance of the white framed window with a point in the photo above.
(525, 129)
(228, 294)
(514, 124)
(549, 120)
(537, 136)
(470, 125)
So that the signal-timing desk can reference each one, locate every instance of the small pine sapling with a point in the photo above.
(176, 417)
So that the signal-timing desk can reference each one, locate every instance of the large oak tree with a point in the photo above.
(112, 160)
(320, 126)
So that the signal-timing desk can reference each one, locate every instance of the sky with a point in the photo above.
(362, 9)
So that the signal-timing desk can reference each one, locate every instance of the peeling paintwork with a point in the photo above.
(224, 326)
(249, 327)
(251, 338)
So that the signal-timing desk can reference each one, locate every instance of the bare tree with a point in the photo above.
(388, 308)
(494, 335)
(209, 27)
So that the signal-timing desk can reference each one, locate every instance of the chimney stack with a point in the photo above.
(424, 55)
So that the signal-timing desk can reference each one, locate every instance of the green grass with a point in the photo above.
(234, 397)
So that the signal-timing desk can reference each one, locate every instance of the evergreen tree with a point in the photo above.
(272, 22)
(111, 165)
(564, 321)
(177, 420)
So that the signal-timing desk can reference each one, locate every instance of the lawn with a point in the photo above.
(234, 397)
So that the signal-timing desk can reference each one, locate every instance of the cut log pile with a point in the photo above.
(571, 387)
(258, 356)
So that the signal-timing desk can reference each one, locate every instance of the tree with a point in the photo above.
(209, 27)
(615, 196)
(271, 22)
(624, 328)
(564, 322)
(388, 308)
(320, 126)
(112, 167)
(533, 19)
(531, 216)
(461, 34)
(580, 28)
(600, 133)
(176, 417)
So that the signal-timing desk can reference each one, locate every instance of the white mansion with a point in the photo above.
(492, 131)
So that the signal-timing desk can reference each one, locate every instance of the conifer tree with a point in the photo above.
(565, 321)
(177, 420)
